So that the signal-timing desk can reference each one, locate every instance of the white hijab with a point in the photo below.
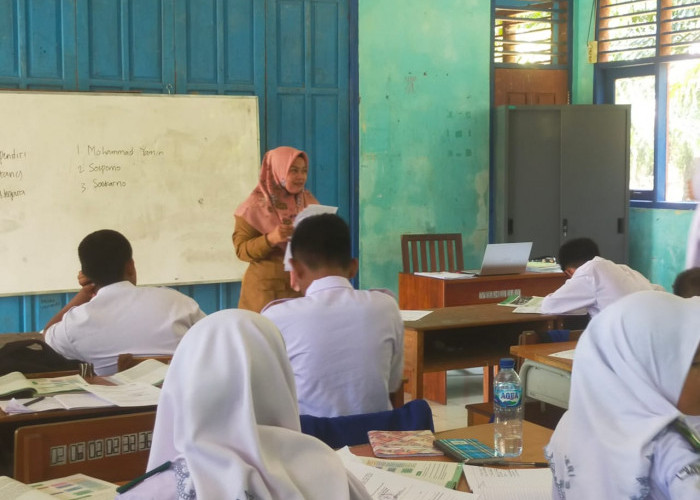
(228, 408)
(630, 366)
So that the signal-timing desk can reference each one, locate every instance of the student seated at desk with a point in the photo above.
(110, 315)
(227, 424)
(637, 371)
(594, 282)
(687, 283)
(345, 345)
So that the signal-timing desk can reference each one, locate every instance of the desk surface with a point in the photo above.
(535, 438)
(541, 353)
(473, 316)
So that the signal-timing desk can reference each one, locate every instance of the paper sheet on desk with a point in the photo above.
(491, 483)
(133, 394)
(70, 401)
(564, 354)
(445, 474)
(445, 275)
(307, 212)
(414, 315)
(383, 485)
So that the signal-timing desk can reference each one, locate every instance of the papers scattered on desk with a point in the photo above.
(59, 402)
(532, 306)
(515, 301)
(132, 394)
(543, 267)
(75, 486)
(564, 354)
(15, 382)
(414, 315)
(490, 483)
(445, 474)
(382, 484)
(445, 275)
(150, 371)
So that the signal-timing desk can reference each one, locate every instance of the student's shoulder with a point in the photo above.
(277, 305)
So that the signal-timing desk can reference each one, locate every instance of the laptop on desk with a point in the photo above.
(503, 258)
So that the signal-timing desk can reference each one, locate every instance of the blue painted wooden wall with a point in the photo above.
(292, 54)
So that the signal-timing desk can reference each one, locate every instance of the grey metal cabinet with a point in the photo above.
(562, 172)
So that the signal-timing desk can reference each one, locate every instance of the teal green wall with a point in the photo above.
(424, 70)
(424, 127)
(657, 243)
(581, 69)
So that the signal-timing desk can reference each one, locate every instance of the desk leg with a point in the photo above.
(489, 371)
(413, 361)
(436, 386)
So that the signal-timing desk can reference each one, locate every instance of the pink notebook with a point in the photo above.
(387, 444)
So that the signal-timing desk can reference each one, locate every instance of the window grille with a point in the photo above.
(531, 32)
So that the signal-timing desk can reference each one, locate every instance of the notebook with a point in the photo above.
(504, 258)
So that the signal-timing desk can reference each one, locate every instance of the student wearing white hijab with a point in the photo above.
(228, 421)
(636, 371)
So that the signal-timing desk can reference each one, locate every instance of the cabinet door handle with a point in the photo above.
(564, 227)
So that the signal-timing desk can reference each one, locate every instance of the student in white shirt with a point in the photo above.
(345, 345)
(110, 315)
(637, 372)
(227, 425)
(594, 282)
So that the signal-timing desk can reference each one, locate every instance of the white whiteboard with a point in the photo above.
(167, 171)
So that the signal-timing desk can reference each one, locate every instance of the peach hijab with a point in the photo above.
(270, 204)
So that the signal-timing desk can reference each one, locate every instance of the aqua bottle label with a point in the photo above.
(508, 395)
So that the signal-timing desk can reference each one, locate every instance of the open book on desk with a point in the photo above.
(17, 383)
(509, 484)
(149, 371)
(69, 401)
(77, 486)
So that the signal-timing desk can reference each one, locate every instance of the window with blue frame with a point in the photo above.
(649, 57)
(530, 32)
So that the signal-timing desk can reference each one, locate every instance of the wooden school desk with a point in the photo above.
(544, 377)
(535, 438)
(452, 338)
(9, 423)
(422, 292)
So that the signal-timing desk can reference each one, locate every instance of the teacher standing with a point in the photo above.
(264, 224)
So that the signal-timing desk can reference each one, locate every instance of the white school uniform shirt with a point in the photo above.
(345, 347)
(123, 318)
(615, 440)
(227, 419)
(594, 286)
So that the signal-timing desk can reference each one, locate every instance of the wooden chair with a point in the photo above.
(113, 448)
(126, 361)
(432, 252)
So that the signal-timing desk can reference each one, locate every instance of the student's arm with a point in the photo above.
(577, 293)
(86, 293)
(396, 373)
(249, 243)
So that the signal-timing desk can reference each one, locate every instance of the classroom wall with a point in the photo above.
(424, 128)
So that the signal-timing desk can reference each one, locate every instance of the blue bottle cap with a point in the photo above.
(506, 363)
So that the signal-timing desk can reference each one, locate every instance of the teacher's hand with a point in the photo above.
(280, 234)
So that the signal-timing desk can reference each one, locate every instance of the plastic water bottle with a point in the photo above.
(508, 410)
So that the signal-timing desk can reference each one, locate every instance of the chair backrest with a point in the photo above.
(113, 448)
(351, 430)
(432, 252)
(127, 360)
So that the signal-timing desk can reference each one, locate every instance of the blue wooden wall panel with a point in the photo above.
(183, 46)
(9, 42)
(324, 35)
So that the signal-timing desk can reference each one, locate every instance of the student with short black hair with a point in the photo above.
(345, 346)
(687, 283)
(110, 315)
(594, 282)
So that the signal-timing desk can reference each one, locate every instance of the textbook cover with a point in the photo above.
(388, 444)
(465, 449)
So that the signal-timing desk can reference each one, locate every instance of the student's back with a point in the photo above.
(345, 347)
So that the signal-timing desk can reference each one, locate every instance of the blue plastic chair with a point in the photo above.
(352, 430)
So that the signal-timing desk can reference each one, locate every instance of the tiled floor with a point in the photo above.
(463, 387)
